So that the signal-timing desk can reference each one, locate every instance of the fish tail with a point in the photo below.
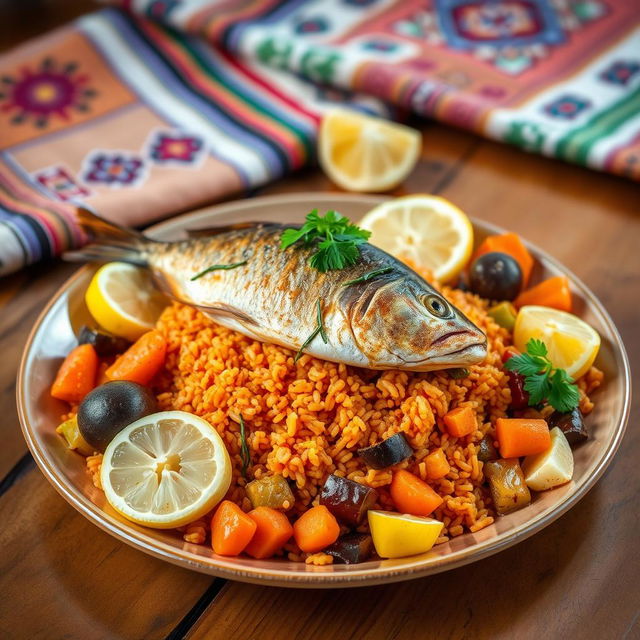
(108, 242)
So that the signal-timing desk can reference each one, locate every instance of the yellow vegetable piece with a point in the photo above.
(552, 467)
(396, 535)
(572, 343)
(71, 433)
(504, 313)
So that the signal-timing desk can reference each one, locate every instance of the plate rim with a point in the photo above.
(306, 578)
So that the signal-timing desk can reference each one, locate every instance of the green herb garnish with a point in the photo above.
(459, 374)
(368, 276)
(335, 238)
(318, 330)
(219, 267)
(244, 449)
(542, 380)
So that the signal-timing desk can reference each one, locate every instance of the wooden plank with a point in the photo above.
(571, 576)
(62, 577)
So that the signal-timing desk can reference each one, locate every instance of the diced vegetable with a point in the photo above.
(487, 450)
(70, 432)
(519, 395)
(509, 490)
(461, 422)
(412, 495)
(504, 313)
(231, 529)
(458, 374)
(316, 529)
(105, 344)
(571, 424)
(519, 437)
(385, 454)
(554, 292)
(396, 535)
(437, 465)
(270, 491)
(351, 549)
(141, 361)
(111, 407)
(77, 375)
(510, 244)
(273, 530)
(348, 500)
(495, 276)
(551, 468)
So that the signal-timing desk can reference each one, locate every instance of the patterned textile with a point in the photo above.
(161, 105)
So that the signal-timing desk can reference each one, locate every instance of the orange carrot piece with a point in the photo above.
(519, 437)
(231, 529)
(554, 292)
(316, 529)
(437, 465)
(510, 244)
(141, 361)
(273, 530)
(412, 495)
(77, 375)
(461, 422)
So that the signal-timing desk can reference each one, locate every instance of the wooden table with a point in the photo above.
(60, 576)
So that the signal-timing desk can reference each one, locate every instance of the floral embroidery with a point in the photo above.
(114, 169)
(61, 183)
(621, 72)
(50, 90)
(175, 147)
(567, 107)
(312, 25)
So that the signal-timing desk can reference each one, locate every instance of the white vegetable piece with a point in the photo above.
(552, 467)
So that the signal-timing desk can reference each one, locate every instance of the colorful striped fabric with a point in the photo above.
(162, 105)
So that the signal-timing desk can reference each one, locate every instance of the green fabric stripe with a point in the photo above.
(575, 146)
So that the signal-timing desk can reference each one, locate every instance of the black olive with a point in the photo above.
(104, 343)
(495, 276)
(571, 424)
(109, 408)
(385, 454)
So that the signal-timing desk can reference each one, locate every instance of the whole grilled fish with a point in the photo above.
(395, 320)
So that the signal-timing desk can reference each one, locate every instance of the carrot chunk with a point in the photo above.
(437, 464)
(316, 529)
(141, 361)
(412, 495)
(461, 422)
(519, 437)
(273, 529)
(554, 292)
(77, 375)
(231, 529)
(510, 244)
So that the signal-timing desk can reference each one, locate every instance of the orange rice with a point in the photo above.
(307, 420)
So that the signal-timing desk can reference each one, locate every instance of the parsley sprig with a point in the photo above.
(335, 238)
(542, 380)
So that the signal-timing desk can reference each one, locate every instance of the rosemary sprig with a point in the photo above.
(368, 276)
(218, 267)
(318, 330)
(244, 449)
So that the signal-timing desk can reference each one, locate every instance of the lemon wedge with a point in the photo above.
(166, 469)
(396, 535)
(571, 343)
(552, 467)
(123, 300)
(428, 230)
(364, 153)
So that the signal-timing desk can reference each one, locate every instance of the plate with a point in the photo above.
(53, 337)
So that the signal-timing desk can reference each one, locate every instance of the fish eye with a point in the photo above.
(438, 306)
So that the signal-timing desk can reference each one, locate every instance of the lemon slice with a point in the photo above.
(363, 153)
(166, 469)
(571, 343)
(396, 535)
(428, 230)
(123, 300)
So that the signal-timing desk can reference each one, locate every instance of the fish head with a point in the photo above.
(403, 323)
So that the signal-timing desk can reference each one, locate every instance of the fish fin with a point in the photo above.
(222, 308)
(225, 228)
(108, 241)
